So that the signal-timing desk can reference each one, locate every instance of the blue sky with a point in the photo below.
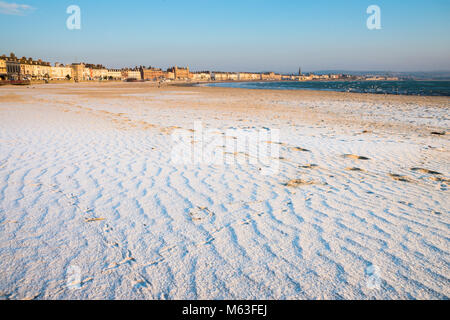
(249, 35)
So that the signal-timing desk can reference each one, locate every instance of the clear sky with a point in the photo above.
(247, 35)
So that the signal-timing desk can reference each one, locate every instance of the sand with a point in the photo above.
(92, 205)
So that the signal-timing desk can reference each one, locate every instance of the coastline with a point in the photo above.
(219, 83)
(320, 85)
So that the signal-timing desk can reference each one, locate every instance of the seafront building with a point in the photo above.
(272, 76)
(96, 72)
(177, 73)
(36, 70)
(225, 76)
(86, 72)
(131, 74)
(248, 76)
(152, 74)
(29, 69)
(60, 72)
(3, 72)
(77, 71)
(201, 76)
(12, 66)
(114, 74)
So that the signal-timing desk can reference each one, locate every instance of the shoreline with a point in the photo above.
(211, 84)
(217, 84)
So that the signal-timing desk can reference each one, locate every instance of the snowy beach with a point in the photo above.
(92, 205)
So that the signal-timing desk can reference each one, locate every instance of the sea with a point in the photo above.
(406, 87)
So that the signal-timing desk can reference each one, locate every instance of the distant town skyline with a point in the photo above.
(278, 36)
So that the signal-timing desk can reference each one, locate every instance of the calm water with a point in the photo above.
(422, 88)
